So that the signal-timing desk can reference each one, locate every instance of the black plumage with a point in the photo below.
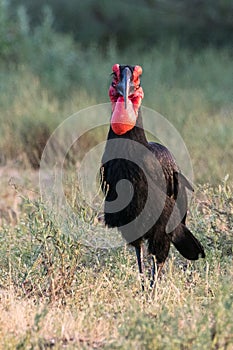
(142, 178)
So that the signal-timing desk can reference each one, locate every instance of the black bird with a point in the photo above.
(145, 192)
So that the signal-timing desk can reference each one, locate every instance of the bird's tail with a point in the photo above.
(186, 243)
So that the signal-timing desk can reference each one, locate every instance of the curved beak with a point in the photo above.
(126, 86)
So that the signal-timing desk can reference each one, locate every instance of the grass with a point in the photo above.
(58, 292)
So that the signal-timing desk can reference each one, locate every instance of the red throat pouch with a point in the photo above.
(123, 119)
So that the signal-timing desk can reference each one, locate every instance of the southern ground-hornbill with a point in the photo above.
(145, 192)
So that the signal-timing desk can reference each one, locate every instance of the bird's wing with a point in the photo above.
(176, 182)
(174, 177)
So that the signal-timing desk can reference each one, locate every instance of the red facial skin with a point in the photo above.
(123, 121)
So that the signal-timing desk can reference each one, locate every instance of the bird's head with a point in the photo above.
(126, 95)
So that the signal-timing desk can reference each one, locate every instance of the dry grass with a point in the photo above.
(57, 293)
(191, 310)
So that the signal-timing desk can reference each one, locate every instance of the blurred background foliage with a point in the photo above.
(194, 23)
(29, 27)
(56, 58)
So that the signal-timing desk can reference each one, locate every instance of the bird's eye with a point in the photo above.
(113, 84)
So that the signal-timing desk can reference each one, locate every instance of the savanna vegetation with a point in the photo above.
(55, 291)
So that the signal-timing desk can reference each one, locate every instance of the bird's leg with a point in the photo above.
(152, 271)
(139, 254)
